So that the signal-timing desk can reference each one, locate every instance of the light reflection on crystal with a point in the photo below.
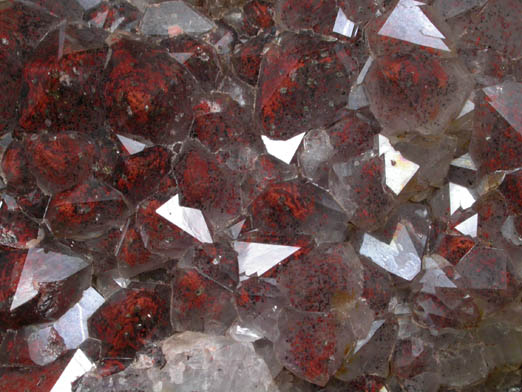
(506, 98)
(407, 22)
(77, 367)
(375, 326)
(434, 276)
(43, 266)
(364, 70)
(190, 220)
(460, 197)
(397, 169)
(283, 150)
(464, 161)
(468, 226)
(255, 259)
(174, 18)
(398, 257)
(72, 326)
(132, 146)
(510, 232)
(468, 107)
(343, 25)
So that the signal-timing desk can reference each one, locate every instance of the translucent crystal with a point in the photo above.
(197, 362)
(174, 18)
(72, 326)
(398, 257)
(42, 266)
(506, 98)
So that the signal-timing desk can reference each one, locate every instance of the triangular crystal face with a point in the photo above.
(407, 22)
(255, 259)
(77, 367)
(468, 226)
(465, 162)
(190, 220)
(506, 98)
(43, 266)
(132, 146)
(283, 150)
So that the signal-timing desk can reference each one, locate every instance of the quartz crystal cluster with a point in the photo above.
(261, 196)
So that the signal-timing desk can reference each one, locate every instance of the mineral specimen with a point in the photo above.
(261, 196)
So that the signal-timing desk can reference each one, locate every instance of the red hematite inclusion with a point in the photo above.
(260, 195)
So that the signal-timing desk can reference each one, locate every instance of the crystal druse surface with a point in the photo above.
(261, 196)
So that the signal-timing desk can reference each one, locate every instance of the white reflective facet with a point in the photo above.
(468, 107)
(407, 22)
(283, 150)
(43, 267)
(77, 367)
(435, 277)
(190, 220)
(235, 229)
(460, 196)
(510, 233)
(384, 144)
(254, 259)
(343, 25)
(243, 334)
(173, 18)
(374, 327)
(506, 98)
(357, 98)
(41, 344)
(468, 226)
(122, 282)
(364, 70)
(72, 326)
(465, 162)
(399, 257)
(132, 146)
(398, 170)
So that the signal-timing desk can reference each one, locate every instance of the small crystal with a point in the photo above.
(174, 18)
(131, 145)
(506, 98)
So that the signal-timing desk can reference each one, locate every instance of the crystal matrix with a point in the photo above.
(261, 195)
